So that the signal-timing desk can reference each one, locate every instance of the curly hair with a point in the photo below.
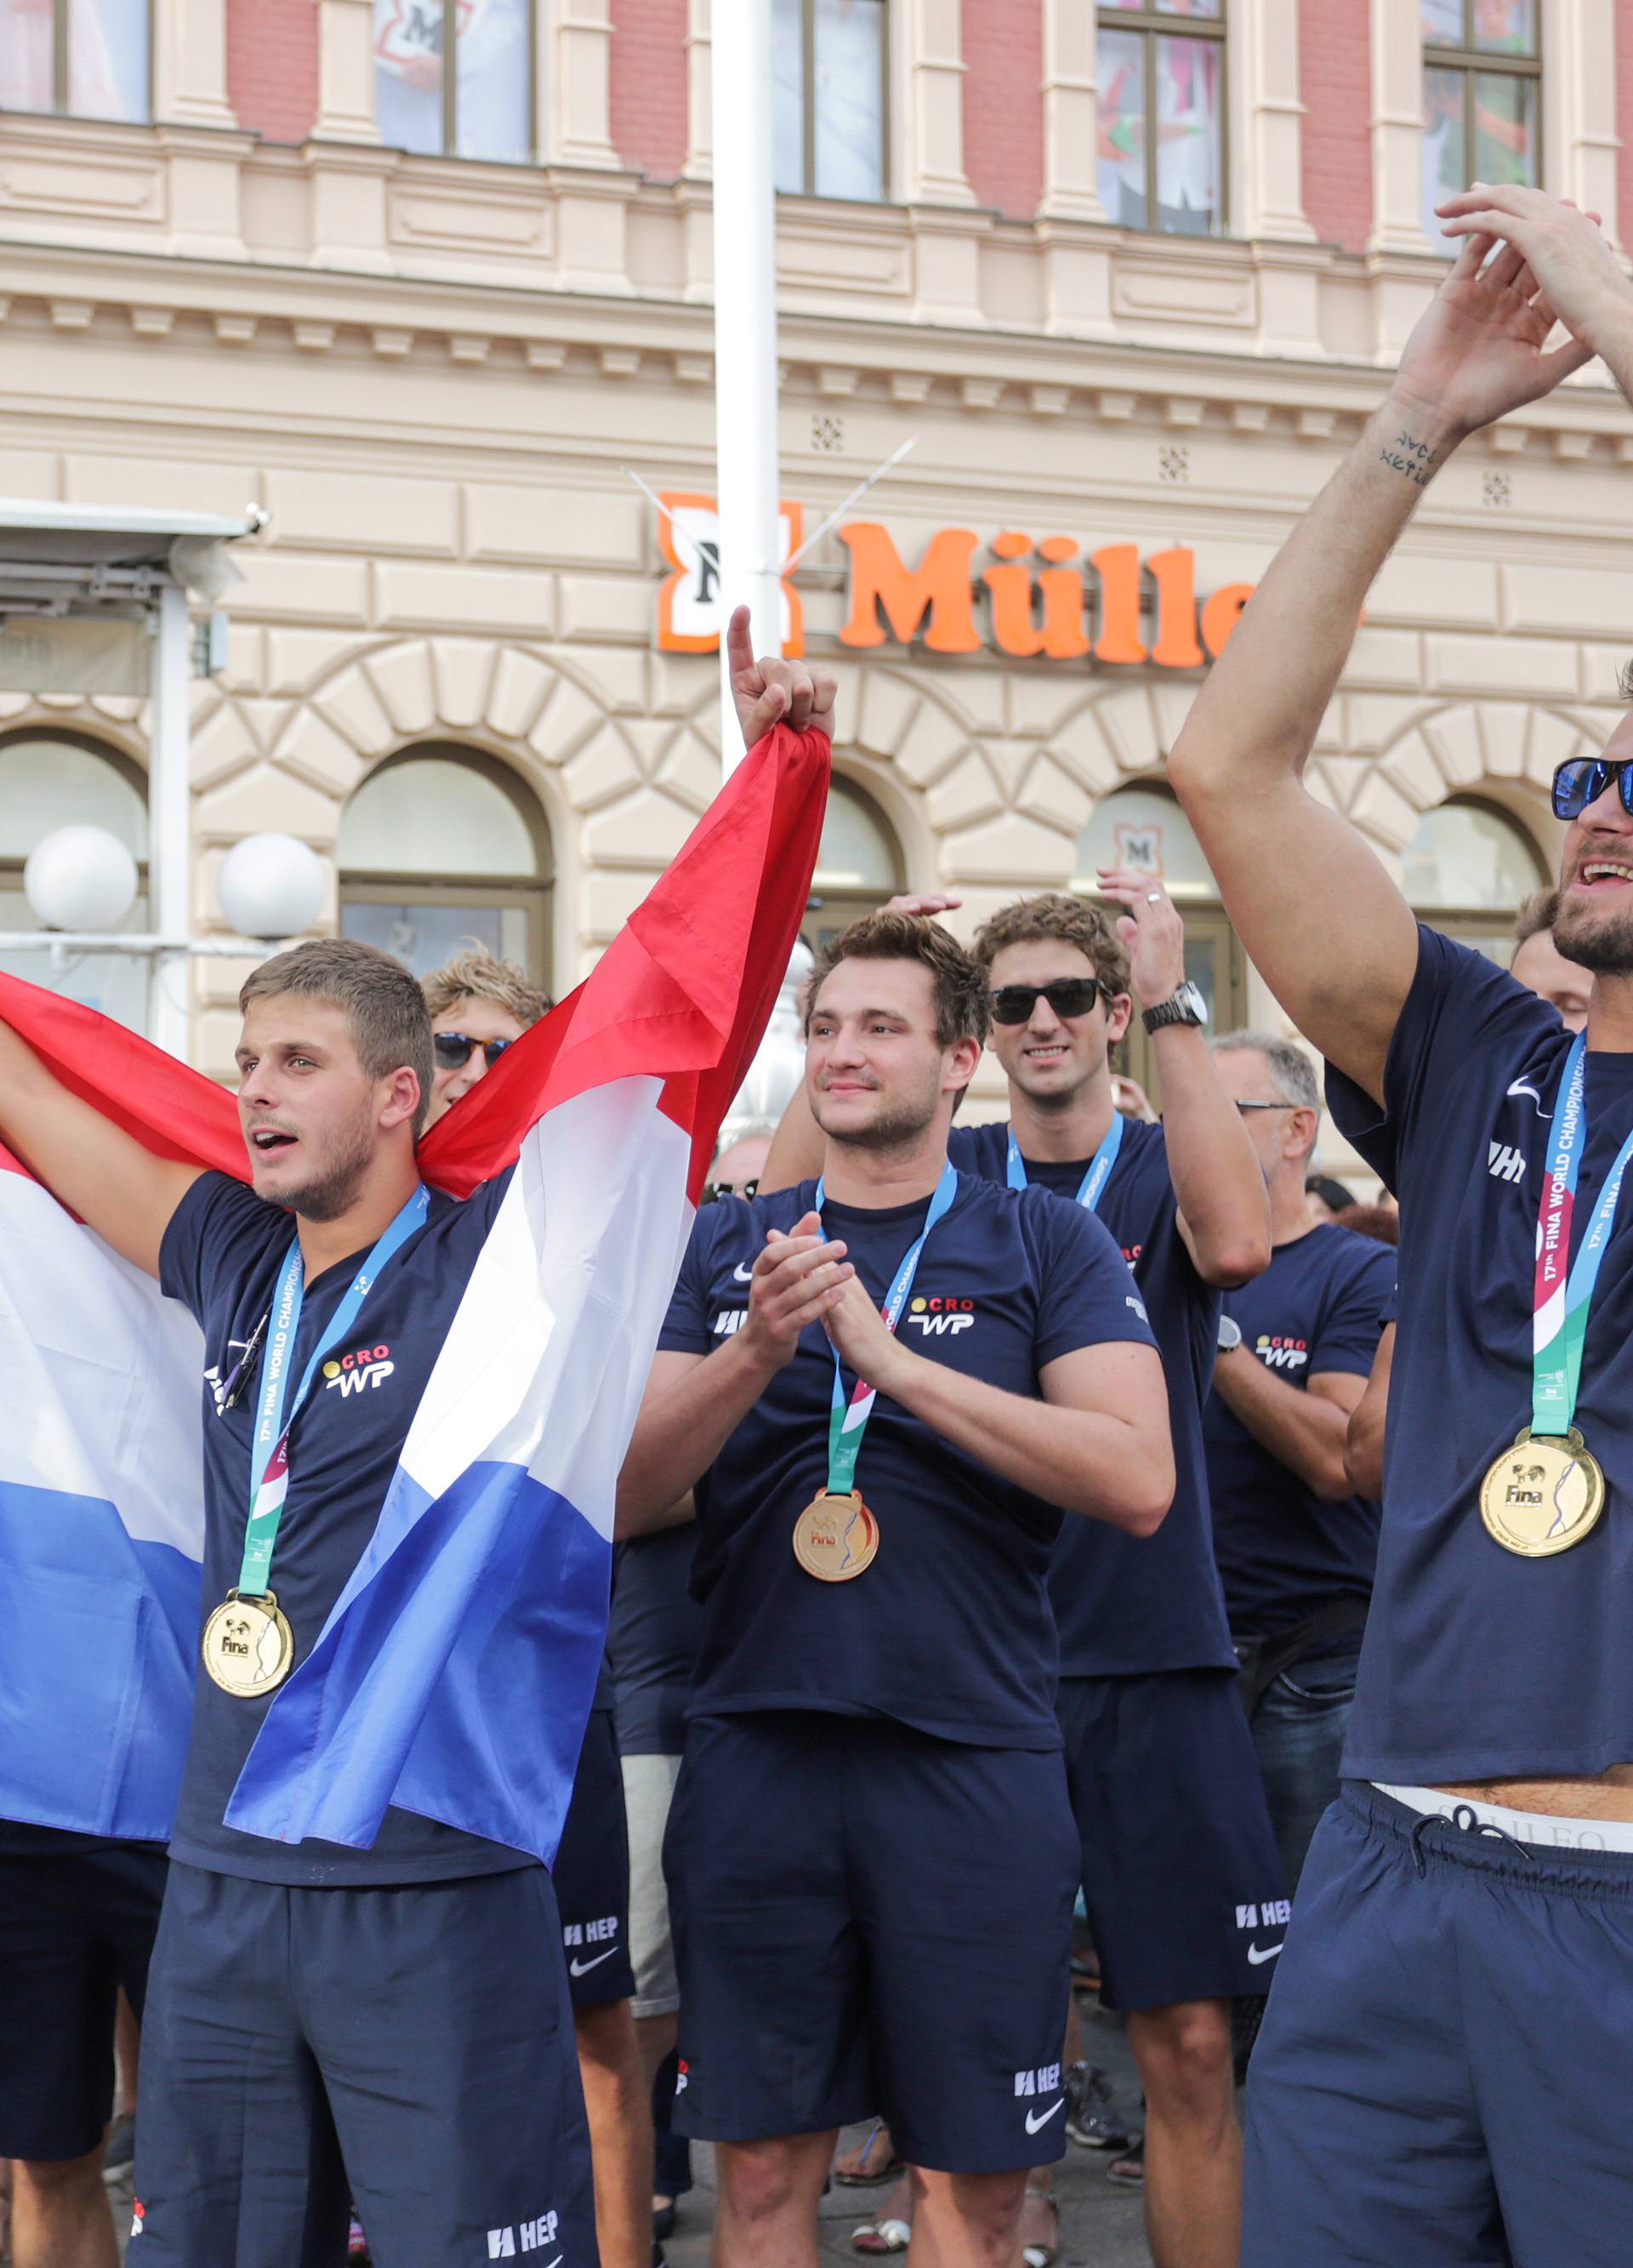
(475, 973)
(963, 1009)
(1057, 919)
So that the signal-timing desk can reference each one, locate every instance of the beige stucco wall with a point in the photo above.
(432, 376)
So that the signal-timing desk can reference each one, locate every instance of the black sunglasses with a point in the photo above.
(1068, 996)
(454, 1049)
(715, 1190)
(1582, 780)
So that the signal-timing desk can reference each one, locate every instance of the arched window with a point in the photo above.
(858, 865)
(1466, 870)
(1142, 827)
(50, 780)
(439, 846)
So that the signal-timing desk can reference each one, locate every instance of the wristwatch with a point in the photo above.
(1229, 1334)
(1184, 1007)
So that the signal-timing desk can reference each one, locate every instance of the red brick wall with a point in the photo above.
(1003, 103)
(1623, 214)
(272, 66)
(1334, 69)
(648, 90)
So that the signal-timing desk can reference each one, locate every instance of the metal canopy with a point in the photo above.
(58, 557)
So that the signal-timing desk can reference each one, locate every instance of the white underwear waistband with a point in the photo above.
(1539, 1828)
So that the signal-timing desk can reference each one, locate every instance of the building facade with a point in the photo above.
(1129, 278)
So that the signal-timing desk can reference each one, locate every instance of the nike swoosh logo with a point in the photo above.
(1524, 1086)
(1033, 2121)
(740, 1275)
(1259, 1954)
(582, 1968)
(557, 2262)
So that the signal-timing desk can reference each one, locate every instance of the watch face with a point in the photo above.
(1229, 1334)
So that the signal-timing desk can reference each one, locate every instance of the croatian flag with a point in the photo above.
(454, 1677)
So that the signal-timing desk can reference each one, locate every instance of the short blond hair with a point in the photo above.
(475, 973)
(385, 1012)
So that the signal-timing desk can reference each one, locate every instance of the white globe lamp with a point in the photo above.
(80, 878)
(271, 885)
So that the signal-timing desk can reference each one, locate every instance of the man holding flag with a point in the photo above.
(415, 1409)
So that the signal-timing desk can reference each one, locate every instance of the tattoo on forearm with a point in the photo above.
(1416, 458)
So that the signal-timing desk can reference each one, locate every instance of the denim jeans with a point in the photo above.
(1299, 1731)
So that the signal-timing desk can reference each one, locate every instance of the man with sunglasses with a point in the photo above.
(1449, 2028)
(479, 1006)
(1177, 1848)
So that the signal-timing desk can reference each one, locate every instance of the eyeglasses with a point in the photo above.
(1582, 780)
(1242, 1104)
(454, 1049)
(1068, 996)
(715, 1189)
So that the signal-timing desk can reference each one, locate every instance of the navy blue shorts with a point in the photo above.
(74, 1927)
(414, 2042)
(868, 1919)
(591, 1873)
(1443, 2076)
(1181, 1877)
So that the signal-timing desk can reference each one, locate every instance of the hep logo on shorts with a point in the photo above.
(525, 2236)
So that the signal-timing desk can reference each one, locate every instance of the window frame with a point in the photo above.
(450, 96)
(60, 73)
(1469, 60)
(1152, 23)
(808, 107)
(390, 886)
(1470, 923)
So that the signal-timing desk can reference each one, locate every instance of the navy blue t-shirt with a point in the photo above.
(221, 1257)
(653, 1639)
(1282, 1549)
(1479, 1663)
(949, 1630)
(1125, 1604)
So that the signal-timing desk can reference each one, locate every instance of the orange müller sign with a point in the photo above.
(1035, 601)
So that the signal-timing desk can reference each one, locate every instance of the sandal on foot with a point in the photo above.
(1043, 2256)
(885, 2235)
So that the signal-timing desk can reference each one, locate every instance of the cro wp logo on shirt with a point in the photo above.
(1281, 1351)
(942, 1317)
(356, 1372)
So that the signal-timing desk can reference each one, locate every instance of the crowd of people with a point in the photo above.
(1022, 1517)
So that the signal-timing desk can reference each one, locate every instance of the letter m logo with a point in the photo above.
(1505, 1162)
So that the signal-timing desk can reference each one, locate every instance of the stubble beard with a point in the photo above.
(899, 1126)
(1604, 946)
(334, 1190)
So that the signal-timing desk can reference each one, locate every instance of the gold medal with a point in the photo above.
(1543, 1495)
(836, 1537)
(248, 1646)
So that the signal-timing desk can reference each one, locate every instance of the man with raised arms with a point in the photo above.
(1178, 1859)
(318, 2015)
(872, 1858)
(1445, 2067)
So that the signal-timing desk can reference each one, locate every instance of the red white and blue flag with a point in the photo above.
(454, 1675)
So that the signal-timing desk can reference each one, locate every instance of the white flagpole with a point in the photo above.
(745, 405)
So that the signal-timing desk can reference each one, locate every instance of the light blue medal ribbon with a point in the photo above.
(848, 1420)
(1100, 1165)
(268, 1462)
(1562, 1301)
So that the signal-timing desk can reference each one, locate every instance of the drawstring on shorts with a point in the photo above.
(1468, 1821)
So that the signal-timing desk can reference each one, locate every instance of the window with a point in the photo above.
(49, 781)
(1466, 870)
(79, 58)
(828, 66)
(439, 847)
(1143, 827)
(1161, 73)
(482, 108)
(858, 865)
(1483, 86)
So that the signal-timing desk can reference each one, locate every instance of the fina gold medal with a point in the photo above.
(836, 1536)
(248, 1648)
(1548, 1492)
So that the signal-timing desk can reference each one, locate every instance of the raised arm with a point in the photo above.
(1224, 1205)
(1309, 898)
(94, 1167)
